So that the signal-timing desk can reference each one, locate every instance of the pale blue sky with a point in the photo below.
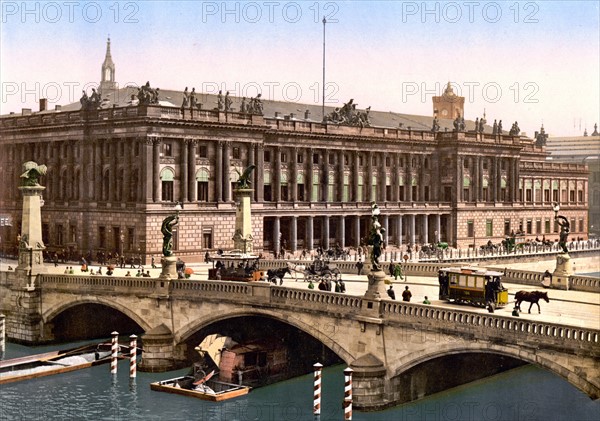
(390, 55)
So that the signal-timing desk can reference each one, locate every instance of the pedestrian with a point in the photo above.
(515, 312)
(359, 266)
(397, 271)
(342, 286)
(392, 268)
(322, 286)
(406, 294)
(391, 293)
(311, 285)
(426, 300)
(206, 257)
(153, 263)
(128, 273)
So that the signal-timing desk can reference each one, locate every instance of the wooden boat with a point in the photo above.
(208, 390)
(53, 362)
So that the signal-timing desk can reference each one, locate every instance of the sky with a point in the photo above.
(532, 62)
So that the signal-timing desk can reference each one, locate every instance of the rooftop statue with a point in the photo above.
(32, 173)
(435, 127)
(147, 95)
(92, 102)
(349, 115)
(244, 181)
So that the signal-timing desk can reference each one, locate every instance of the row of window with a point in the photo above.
(527, 226)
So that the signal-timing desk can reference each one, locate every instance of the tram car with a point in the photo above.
(473, 285)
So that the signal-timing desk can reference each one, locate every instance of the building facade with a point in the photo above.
(115, 172)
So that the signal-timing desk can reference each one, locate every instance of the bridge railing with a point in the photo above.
(319, 300)
(99, 284)
(493, 327)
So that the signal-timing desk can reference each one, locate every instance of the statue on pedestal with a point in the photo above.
(244, 180)
(376, 237)
(32, 173)
(167, 230)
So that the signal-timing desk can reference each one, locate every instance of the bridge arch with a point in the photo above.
(321, 335)
(559, 366)
(55, 310)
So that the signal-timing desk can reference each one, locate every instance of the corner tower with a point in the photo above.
(449, 105)
(107, 80)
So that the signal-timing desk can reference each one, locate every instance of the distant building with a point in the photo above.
(115, 172)
(449, 105)
(582, 150)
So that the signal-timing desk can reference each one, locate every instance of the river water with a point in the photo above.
(525, 393)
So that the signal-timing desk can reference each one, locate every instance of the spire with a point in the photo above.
(107, 79)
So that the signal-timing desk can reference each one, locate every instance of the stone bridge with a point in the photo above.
(398, 350)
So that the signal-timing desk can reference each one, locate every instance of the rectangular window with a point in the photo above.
(168, 149)
(426, 193)
(503, 194)
(315, 158)
(401, 193)
(447, 194)
(203, 191)
(331, 159)
(267, 193)
(581, 225)
(573, 224)
(538, 226)
(203, 151)
(235, 153)
(102, 237)
(529, 226)
(167, 191)
(207, 238)
(489, 228)
(130, 239)
(579, 196)
(555, 195)
(374, 160)
(346, 159)
(528, 196)
(546, 195)
(300, 158)
(415, 194)
(466, 196)
(507, 227)
(401, 162)
(301, 192)
(360, 160)
(470, 229)
(571, 196)
(283, 157)
(547, 226)
(388, 161)
(267, 156)
(59, 235)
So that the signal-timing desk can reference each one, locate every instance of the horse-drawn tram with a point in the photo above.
(235, 267)
(473, 285)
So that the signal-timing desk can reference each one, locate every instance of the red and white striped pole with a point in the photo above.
(114, 352)
(348, 393)
(132, 356)
(317, 389)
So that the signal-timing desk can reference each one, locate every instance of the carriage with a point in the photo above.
(322, 270)
(235, 267)
(473, 285)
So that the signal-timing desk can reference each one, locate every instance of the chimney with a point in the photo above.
(306, 114)
(57, 107)
(43, 104)
(292, 116)
(25, 111)
(276, 114)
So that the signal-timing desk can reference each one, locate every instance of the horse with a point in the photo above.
(532, 297)
(273, 274)
(296, 268)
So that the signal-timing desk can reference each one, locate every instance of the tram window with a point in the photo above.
(479, 283)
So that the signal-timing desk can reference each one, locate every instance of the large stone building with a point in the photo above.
(115, 171)
(582, 150)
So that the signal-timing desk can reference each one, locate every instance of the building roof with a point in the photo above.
(127, 96)
(574, 148)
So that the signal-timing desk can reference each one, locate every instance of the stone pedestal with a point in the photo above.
(377, 286)
(242, 238)
(31, 246)
(563, 271)
(169, 268)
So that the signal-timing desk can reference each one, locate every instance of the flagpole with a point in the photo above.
(323, 107)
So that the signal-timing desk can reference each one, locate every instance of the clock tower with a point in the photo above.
(449, 105)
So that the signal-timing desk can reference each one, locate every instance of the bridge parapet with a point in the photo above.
(323, 301)
(102, 284)
(495, 328)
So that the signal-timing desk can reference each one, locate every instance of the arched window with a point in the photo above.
(167, 177)
(315, 186)
(359, 193)
(202, 177)
(374, 187)
(346, 191)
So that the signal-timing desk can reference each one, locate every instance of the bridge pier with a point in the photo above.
(368, 383)
(159, 351)
(23, 320)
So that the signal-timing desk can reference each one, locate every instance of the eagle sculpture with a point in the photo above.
(32, 172)
(244, 180)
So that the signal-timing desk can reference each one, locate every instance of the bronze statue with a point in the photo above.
(244, 180)
(376, 237)
(32, 172)
(564, 232)
(167, 230)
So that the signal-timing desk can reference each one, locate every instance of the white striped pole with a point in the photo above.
(317, 389)
(114, 352)
(348, 393)
(2, 335)
(132, 356)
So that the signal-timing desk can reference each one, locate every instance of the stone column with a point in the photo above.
(309, 176)
(259, 174)
(395, 178)
(459, 179)
(31, 246)
(438, 227)
(325, 177)
(515, 182)
(409, 176)
(95, 194)
(193, 185)
(310, 233)
(357, 231)
(226, 170)
(219, 172)
(340, 182)
(341, 234)
(293, 180)
(411, 228)
(325, 239)
(385, 223)
(156, 169)
(276, 181)
(368, 179)
(184, 168)
(293, 234)
(276, 235)
(355, 175)
(399, 230)
(425, 227)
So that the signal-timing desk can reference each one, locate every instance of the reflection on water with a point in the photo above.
(526, 393)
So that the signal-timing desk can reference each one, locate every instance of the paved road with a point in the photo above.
(574, 308)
